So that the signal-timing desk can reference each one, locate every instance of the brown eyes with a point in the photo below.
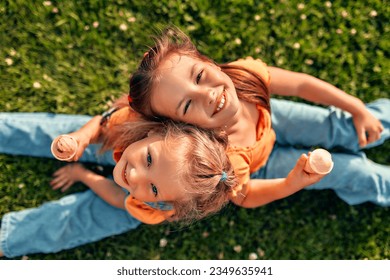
(199, 76)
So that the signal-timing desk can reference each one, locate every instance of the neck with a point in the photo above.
(245, 118)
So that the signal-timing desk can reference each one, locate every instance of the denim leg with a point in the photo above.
(31, 134)
(307, 125)
(354, 178)
(72, 221)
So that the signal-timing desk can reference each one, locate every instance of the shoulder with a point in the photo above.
(121, 115)
(255, 65)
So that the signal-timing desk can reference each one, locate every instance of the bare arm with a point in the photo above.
(288, 83)
(259, 192)
(66, 176)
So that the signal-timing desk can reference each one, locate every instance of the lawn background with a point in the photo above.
(76, 56)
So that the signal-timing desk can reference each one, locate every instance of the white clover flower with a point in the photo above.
(309, 61)
(328, 4)
(339, 31)
(95, 24)
(37, 85)
(301, 6)
(205, 234)
(353, 31)
(21, 186)
(46, 3)
(280, 61)
(373, 13)
(257, 17)
(54, 10)
(237, 41)
(253, 256)
(237, 248)
(297, 46)
(12, 52)
(260, 252)
(123, 27)
(9, 61)
(86, 27)
(258, 50)
(344, 14)
(131, 19)
(163, 242)
(303, 17)
(47, 78)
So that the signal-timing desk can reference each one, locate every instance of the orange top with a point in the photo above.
(138, 209)
(246, 160)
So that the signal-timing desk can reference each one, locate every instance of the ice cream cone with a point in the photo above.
(64, 147)
(319, 161)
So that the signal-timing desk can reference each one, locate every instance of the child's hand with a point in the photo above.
(299, 178)
(83, 142)
(367, 124)
(68, 175)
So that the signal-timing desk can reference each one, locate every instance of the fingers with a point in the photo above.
(301, 162)
(361, 133)
(62, 178)
(374, 134)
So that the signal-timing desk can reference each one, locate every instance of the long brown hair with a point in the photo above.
(204, 166)
(249, 85)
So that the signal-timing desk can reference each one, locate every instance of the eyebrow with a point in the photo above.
(191, 75)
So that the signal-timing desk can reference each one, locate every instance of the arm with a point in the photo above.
(259, 192)
(103, 187)
(288, 83)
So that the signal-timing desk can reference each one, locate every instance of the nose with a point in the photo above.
(210, 96)
(136, 177)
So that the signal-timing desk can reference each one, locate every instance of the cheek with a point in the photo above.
(116, 174)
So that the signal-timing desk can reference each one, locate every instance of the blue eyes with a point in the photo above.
(154, 190)
(149, 159)
(149, 163)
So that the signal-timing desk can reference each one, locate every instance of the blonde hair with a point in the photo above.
(202, 158)
(249, 85)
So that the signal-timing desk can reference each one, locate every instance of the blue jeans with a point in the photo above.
(300, 127)
(73, 220)
(31, 134)
(354, 178)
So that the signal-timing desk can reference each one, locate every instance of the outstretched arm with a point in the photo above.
(259, 192)
(288, 83)
(66, 176)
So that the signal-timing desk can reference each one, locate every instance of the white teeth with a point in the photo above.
(221, 103)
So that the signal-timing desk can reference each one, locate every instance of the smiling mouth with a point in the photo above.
(221, 103)
(124, 174)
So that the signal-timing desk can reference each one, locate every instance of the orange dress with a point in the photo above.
(246, 160)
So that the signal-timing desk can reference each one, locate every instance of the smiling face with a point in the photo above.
(194, 91)
(147, 170)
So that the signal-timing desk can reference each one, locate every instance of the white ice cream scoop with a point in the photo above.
(319, 161)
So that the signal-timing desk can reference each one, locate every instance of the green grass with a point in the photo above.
(80, 66)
